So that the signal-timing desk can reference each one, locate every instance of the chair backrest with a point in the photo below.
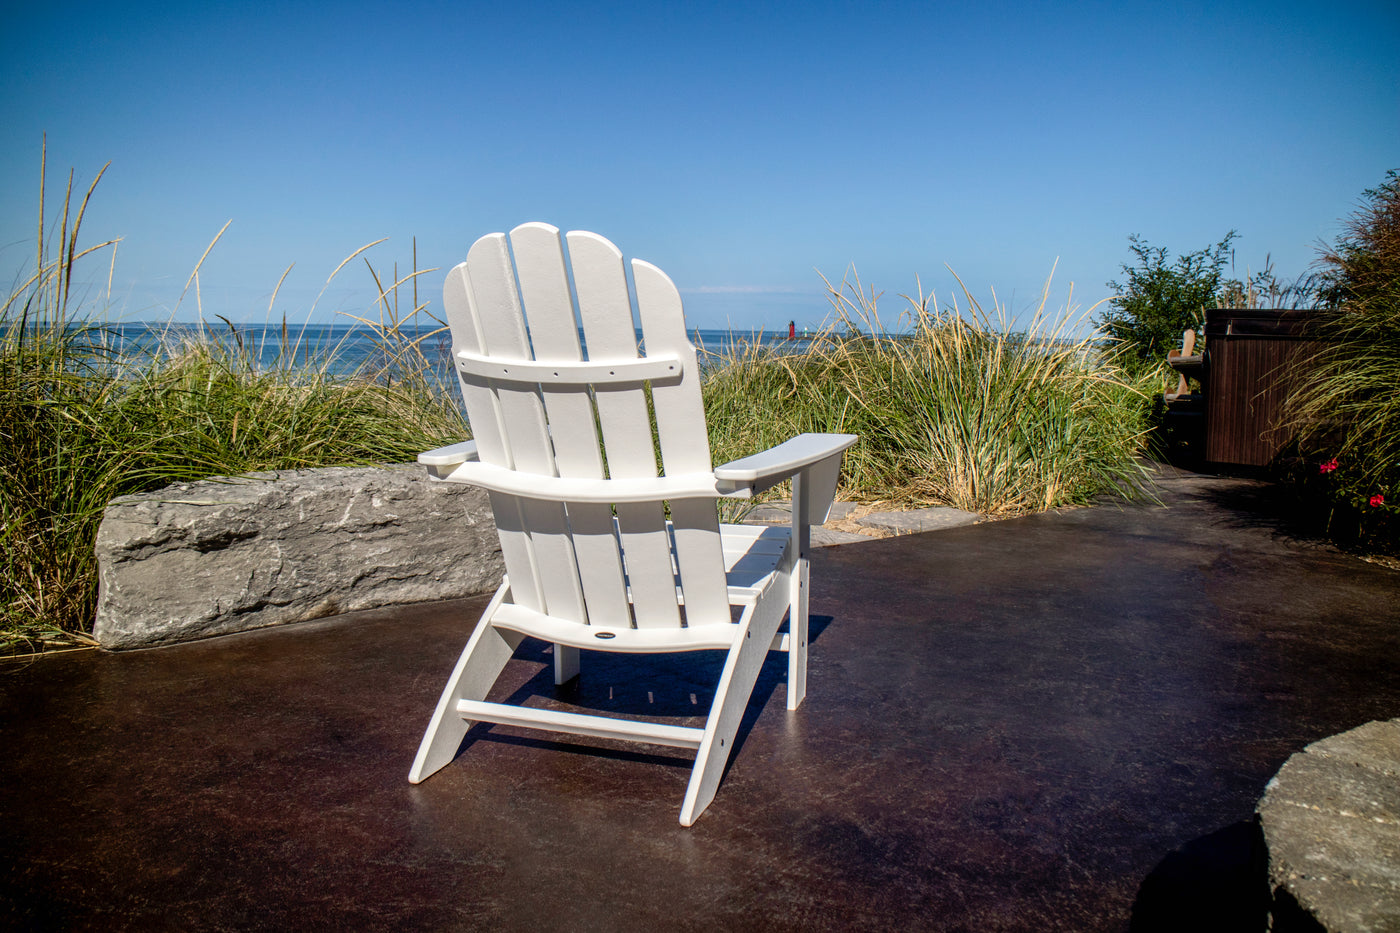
(1188, 344)
(587, 561)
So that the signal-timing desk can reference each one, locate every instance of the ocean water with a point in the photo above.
(350, 348)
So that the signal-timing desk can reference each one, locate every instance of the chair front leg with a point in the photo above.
(752, 639)
(480, 664)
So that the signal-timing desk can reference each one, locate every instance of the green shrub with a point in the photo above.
(1160, 299)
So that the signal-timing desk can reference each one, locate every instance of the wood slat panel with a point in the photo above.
(1248, 383)
(544, 284)
(503, 335)
(605, 311)
(544, 287)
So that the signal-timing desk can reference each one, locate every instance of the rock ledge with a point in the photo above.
(231, 554)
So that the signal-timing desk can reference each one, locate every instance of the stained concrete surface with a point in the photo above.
(1060, 722)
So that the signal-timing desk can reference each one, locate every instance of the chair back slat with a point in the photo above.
(544, 289)
(544, 286)
(606, 312)
(600, 281)
(522, 424)
(685, 445)
(503, 335)
(487, 431)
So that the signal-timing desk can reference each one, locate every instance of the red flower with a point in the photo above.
(1377, 501)
(1328, 467)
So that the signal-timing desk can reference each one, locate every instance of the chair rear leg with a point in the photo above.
(565, 664)
(481, 662)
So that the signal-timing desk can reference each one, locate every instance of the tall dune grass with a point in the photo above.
(82, 421)
(958, 411)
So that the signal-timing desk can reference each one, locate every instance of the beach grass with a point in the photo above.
(957, 408)
(953, 407)
(83, 421)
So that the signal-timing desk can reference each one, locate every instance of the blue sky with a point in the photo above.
(741, 147)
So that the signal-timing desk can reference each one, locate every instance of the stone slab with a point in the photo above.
(1331, 821)
(1338, 786)
(226, 555)
(1375, 745)
(826, 537)
(917, 520)
(905, 522)
(781, 511)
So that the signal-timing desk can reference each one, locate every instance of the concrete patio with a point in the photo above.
(1060, 722)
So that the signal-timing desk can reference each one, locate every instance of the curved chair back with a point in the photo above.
(546, 404)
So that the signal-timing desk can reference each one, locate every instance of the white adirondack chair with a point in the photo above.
(564, 444)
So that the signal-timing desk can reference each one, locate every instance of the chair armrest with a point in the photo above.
(443, 460)
(547, 488)
(776, 464)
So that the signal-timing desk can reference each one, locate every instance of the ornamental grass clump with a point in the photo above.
(84, 419)
(959, 410)
(1346, 401)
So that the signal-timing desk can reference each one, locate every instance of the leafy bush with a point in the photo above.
(1161, 299)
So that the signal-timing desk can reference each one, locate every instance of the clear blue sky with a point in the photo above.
(738, 146)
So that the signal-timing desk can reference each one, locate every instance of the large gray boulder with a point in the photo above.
(230, 554)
